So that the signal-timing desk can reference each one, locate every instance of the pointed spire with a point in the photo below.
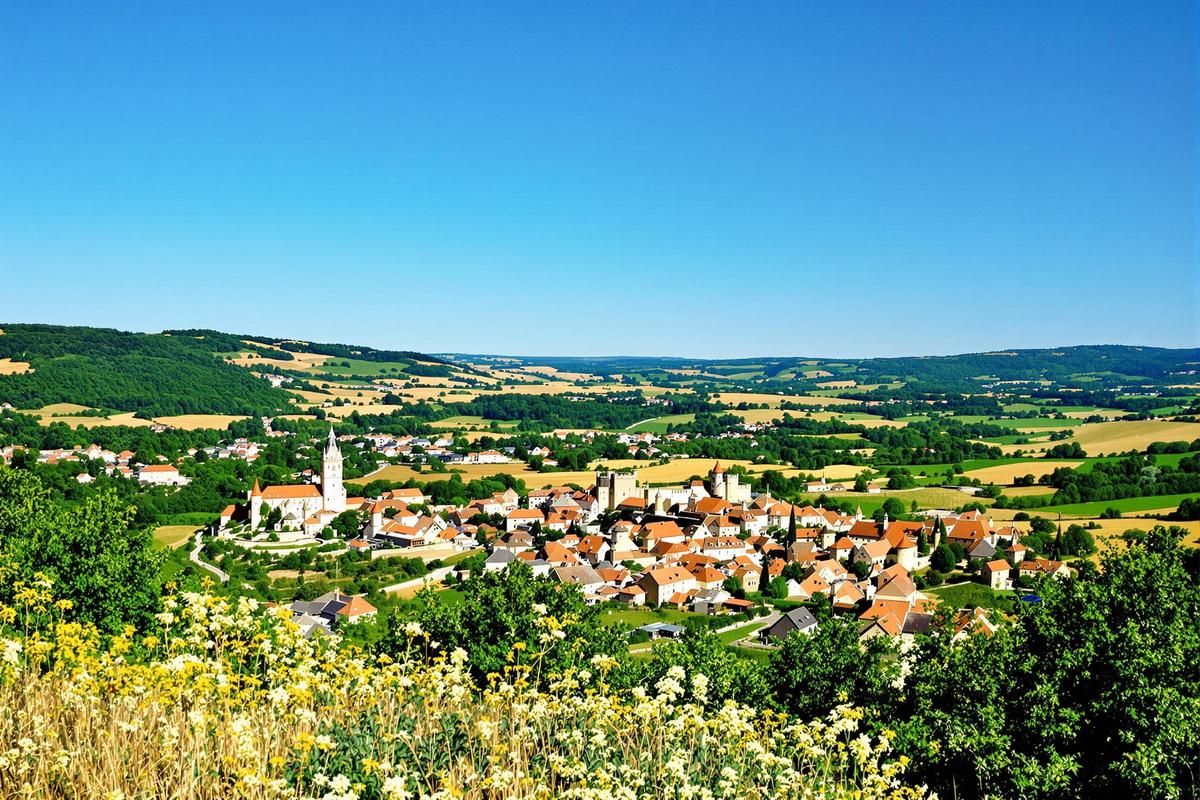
(256, 491)
(332, 437)
(717, 468)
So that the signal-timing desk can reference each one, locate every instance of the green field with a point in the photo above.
(374, 369)
(463, 421)
(1127, 505)
(1035, 423)
(970, 595)
(659, 425)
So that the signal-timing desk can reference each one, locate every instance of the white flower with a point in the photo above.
(413, 629)
(394, 788)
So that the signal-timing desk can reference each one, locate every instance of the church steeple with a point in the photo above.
(333, 493)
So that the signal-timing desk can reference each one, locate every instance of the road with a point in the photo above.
(194, 557)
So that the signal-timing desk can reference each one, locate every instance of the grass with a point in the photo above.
(740, 632)
(637, 617)
(1035, 423)
(659, 425)
(1126, 505)
(970, 595)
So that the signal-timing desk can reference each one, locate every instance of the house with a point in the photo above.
(663, 630)
(331, 609)
(798, 620)
(972, 621)
(1035, 567)
(662, 583)
(872, 553)
(499, 559)
(523, 518)
(722, 548)
(997, 573)
(580, 575)
(161, 475)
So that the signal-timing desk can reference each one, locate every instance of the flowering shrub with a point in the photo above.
(228, 700)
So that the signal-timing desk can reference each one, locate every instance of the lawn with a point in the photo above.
(741, 632)
(970, 595)
(637, 617)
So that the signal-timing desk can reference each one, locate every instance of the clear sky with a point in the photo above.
(665, 178)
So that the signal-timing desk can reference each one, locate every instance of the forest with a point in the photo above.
(153, 374)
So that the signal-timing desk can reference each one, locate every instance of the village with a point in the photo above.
(709, 547)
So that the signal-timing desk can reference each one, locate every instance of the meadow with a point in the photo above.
(227, 699)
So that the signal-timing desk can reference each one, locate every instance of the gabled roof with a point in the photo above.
(667, 575)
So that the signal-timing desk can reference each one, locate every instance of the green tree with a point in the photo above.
(730, 677)
(809, 675)
(106, 566)
(943, 559)
(506, 608)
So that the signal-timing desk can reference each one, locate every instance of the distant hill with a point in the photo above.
(174, 372)
(155, 374)
(1094, 366)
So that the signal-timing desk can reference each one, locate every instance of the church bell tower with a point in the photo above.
(333, 492)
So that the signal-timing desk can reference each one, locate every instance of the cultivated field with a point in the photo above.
(191, 422)
(170, 536)
(126, 419)
(10, 367)
(673, 472)
(1005, 474)
(1118, 437)
(773, 400)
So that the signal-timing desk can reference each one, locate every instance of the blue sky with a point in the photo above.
(690, 178)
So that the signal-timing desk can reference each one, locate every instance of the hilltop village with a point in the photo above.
(708, 546)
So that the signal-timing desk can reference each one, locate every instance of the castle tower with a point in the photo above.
(716, 480)
(333, 492)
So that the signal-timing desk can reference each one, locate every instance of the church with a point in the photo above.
(304, 506)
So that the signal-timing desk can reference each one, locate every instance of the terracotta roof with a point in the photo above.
(159, 468)
(667, 575)
(356, 606)
(290, 491)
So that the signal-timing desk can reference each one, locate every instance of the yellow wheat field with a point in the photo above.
(1004, 474)
(1107, 438)
(191, 422)
(10, 367)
